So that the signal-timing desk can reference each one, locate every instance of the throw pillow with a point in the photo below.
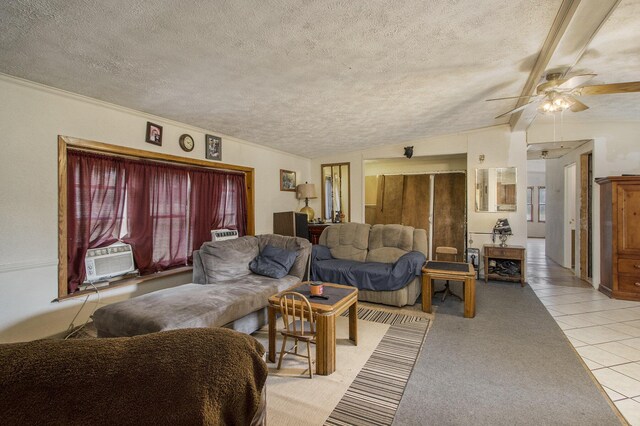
(227, 260)
(273, 262)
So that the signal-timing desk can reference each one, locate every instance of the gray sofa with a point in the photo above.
(224, 291)
(378, 243)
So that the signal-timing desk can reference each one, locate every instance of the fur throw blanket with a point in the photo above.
(206, 376)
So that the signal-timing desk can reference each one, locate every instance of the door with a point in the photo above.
(629, 219)
(569, 215)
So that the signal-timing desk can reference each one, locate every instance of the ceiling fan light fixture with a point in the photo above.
(555, 102)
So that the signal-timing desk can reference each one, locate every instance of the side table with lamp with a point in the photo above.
(502, 262)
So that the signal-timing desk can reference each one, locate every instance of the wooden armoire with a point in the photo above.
(620, 236)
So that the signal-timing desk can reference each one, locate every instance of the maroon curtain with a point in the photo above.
(218, 200)
(170, 210)
(95, 204)
(157, 215)
(233, 208)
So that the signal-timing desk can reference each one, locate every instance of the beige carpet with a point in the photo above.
(294, 399)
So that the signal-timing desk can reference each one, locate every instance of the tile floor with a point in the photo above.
(605, 332)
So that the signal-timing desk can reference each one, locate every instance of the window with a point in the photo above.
(542, 204)
(530, 204)
(163, 209)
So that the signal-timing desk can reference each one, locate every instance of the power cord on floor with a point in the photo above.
(71, 327)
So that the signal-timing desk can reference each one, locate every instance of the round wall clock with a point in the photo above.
(186, 142)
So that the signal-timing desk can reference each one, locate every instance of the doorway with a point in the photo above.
(570, 216)
(586, 216)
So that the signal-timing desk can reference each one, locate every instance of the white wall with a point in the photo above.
(31, 118)
(616, 150)
(501, 148)
(536, 176)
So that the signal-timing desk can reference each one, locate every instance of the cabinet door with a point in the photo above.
(628, 198)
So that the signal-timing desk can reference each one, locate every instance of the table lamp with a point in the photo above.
(503, 230)
(306, 191)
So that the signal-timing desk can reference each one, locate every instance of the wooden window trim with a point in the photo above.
(530, 202)
(322, 166)
(545, 204)
(64, 142)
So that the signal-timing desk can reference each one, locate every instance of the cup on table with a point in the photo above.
(316, 289)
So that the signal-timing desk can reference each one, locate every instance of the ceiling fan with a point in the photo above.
(558, 93)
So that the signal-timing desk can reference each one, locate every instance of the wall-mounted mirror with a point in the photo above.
(496, 189)
(336, 198)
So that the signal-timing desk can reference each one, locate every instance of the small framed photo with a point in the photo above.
(473, 256)
(154, 133)
(287, 180)
(213, 147)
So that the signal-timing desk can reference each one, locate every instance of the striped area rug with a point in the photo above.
(374, 395)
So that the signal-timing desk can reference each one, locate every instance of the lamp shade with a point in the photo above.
(502, 227)
(306, 190)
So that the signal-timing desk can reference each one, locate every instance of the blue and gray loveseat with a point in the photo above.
(383, 261)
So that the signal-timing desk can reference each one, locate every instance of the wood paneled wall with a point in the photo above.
(406, 199)
(415, 201)
(449, 207)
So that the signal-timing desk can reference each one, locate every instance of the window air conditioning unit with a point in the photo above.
(108, 262)
(223, 234)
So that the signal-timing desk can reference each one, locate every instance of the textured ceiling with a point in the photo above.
(310, 78)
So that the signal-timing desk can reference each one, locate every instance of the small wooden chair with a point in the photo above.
(299, 324)
(447, 254)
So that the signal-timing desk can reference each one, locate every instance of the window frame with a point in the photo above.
(544, 204)
(530, 202)
(103, 148)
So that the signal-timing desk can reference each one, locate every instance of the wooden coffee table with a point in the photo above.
(341, 298)
(452, 271)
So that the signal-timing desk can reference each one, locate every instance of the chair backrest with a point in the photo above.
(447, 253)
(296, 309)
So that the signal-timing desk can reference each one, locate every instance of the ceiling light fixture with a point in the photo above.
(555, 102)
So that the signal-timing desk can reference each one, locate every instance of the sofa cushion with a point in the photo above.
(301, 246)
(273, 262)
(347, 241)
(226, 260)
(388, 242)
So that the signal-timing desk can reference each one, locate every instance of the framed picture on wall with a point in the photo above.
(287, 180)
(213, 147)
(154, 133)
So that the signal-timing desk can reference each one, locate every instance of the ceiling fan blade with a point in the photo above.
(516, 109)
(576, 106)
(607, 89)
(575, 81)
(511, 97)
